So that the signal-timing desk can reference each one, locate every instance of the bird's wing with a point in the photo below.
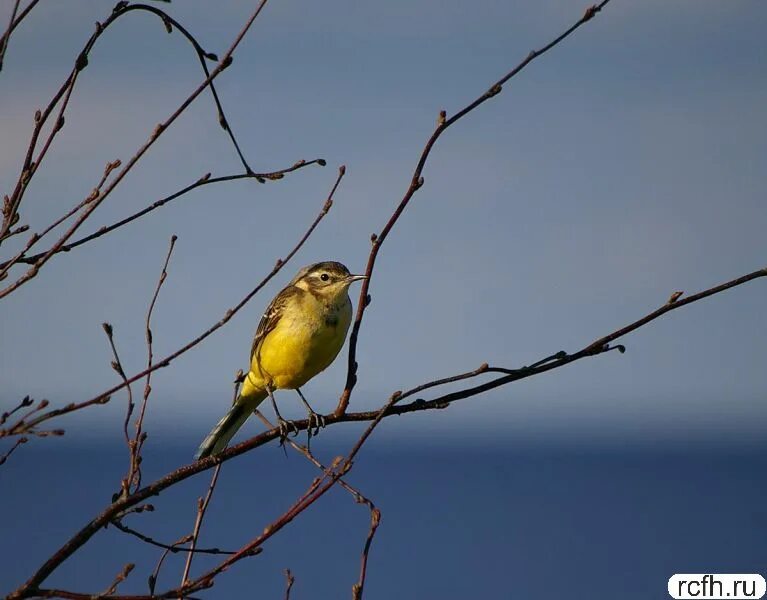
(272, 317)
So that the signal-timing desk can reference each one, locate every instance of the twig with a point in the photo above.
(152, 581)
(12, 24)
(202, 506)
(26, 401)
(6, 456)
(174, 547)
(202, 181)
(121, 576)
(118, 368)
(375, 520)
(21, 426)
(35, 238)
(289, 580)
(417, 181)
(136, 445)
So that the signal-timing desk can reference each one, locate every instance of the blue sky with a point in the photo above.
(626, 164)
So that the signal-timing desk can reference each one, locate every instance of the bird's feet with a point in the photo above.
(286, 427)
(316, 422)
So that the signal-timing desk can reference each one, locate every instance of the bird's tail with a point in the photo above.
(225, 429)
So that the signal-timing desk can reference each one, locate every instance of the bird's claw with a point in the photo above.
(316, 422)
(285, 428)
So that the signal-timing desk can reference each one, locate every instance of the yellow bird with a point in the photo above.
(300, 334)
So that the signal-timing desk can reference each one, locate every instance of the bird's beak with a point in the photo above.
(352, 278)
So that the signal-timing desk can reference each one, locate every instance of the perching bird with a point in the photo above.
(300, 334)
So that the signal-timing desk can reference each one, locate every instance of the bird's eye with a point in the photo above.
(324, 277)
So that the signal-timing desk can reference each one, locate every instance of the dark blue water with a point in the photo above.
(533, 522)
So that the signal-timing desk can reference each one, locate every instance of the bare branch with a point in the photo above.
(202, 506)
(137, 443)
(202, 181)
(13, 23)
(10, 212)
(417, 181)
(174, 547)
(6, 456)
(121, 576)
(289, 580)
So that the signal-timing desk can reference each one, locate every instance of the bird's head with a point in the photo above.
(329, 280)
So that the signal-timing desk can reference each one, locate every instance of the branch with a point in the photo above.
(13, 24)
(174, 547)
(10, 208)
(202, 181)
(289, 581)
(417, 181)
(7, 455)
(137, 443)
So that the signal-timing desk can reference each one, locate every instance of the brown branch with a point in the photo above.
(156, 572)
(7, 455)
(289, 581)
(137, 443)
(202, 506)
(375, 521)
(174, 547)
(22, 426)
(121, 576)
(25, 401)
(118, 368)
(28, 169)
(417, 181)
(202, 181)
(35, 238)
(13, 23)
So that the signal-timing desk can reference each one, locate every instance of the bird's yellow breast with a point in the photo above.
(307, 338)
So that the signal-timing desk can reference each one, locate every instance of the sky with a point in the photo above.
(627, 163)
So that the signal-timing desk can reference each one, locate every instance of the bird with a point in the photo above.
(300, 334)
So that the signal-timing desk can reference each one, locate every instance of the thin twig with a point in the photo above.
(174, 547)
(289, 581)
(137, 444)
(375, 521)
(6, 456)
(202, 506)
(117, 366)
(35, 238)
(202, 181)
(25, 401)
(121, 576)
(156, 572)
